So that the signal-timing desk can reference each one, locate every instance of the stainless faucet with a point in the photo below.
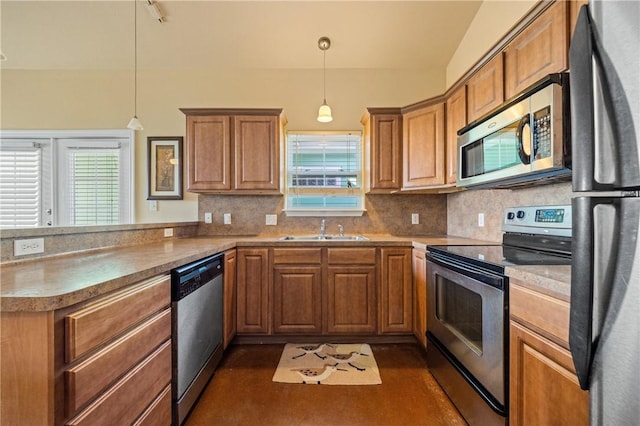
(341, 230)
(323, 228)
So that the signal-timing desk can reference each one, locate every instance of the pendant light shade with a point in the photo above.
(324, 112)
(134, 123)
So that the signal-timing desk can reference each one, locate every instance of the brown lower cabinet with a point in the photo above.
(419, 267)
(253, 291)
(81, 365)
(324, 290)
(229, 323)
(544, 388)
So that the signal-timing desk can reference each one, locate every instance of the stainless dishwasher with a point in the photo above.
(196, 301)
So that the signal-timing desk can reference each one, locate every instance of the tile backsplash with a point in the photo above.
(463, 208)
(386, 214)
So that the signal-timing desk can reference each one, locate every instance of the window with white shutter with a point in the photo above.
(324, 174)
(25, 187)
(89, 183)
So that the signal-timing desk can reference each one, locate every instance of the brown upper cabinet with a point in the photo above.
(382, 136)
(233, 151)
(485, 89)
(456, 109)
(423, 147)
(540, 49)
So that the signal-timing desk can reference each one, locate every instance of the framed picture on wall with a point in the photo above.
(164, 155)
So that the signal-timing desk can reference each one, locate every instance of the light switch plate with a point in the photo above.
(153, 205)
(481, 220)
(208, 218)
(415, 219)
(227, 218)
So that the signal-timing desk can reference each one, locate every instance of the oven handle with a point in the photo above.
(478, 275)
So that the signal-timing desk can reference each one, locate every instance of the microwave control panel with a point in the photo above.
(542, 133)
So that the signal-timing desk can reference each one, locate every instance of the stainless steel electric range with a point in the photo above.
(467, 307)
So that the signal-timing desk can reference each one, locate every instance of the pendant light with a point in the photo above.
(135, 124)
(324, 112)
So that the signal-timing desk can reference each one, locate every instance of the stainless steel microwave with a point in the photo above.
(525, 141)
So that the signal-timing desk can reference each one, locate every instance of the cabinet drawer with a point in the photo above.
(95, 324)
(159, 412)
(352, 256)
(550, 316)
(89, 378)
(297, 255)
(129, 397)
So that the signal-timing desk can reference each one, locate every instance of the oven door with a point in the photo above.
(466, 315)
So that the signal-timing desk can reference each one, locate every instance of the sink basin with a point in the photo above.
(324, 238)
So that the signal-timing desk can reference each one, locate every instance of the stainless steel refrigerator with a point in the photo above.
(604, 336)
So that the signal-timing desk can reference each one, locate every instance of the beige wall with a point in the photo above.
(104, 100)
(492, 21)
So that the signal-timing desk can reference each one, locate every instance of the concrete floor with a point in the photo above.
(242, 393)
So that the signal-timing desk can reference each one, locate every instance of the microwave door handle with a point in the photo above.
(524, 121)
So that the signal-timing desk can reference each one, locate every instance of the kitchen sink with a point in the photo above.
(324, 238)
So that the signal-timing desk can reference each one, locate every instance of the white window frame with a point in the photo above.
(290, 192)
(60, 140)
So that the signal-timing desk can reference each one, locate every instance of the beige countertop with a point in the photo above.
(552, 280)
(55, 282)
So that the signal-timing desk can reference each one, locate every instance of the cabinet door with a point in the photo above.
(541, 49)
(544, 389)
(257, 153)
(208, 148)
(419, 267)
(297, 299)
(423, 147)
(229, 297)
(456, 120)
(395, 291)
(253, 291)
(386, 152)
(351, 299)
(485, 89)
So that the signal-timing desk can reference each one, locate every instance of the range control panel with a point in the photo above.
(550, 220)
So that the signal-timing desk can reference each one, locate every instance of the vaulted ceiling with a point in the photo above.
(50, 34)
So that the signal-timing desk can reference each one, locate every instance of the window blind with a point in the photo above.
(324, 171)
(94, 186)
(20, 185)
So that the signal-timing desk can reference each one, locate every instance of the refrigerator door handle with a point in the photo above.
(582, 103)
(580, 324)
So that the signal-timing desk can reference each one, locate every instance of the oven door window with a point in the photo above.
(460, 310)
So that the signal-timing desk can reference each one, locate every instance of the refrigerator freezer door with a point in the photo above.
(605, 96)
(604, 331)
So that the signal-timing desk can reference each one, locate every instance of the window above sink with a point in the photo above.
(324, 174)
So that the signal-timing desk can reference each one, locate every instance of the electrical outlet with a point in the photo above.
(207, 217)
(481, 220)
(271, 219)
(168, 232)
(227, 218)
(415, 219)
(30, 246)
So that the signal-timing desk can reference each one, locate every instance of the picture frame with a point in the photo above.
(164, 160)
